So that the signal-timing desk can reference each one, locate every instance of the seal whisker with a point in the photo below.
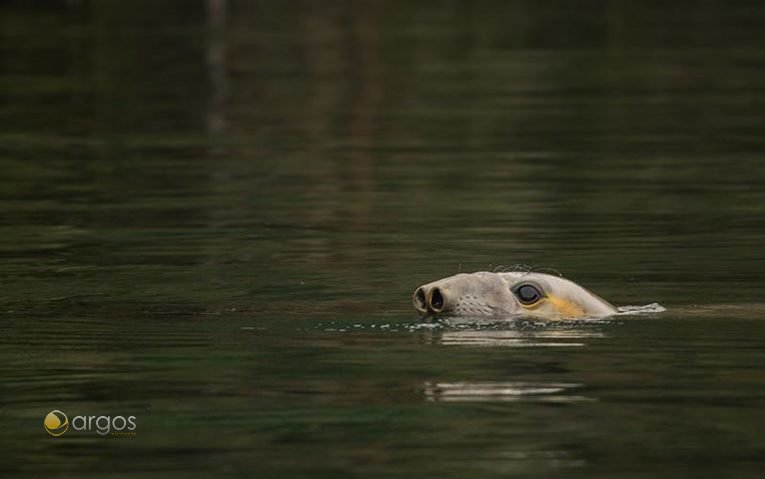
(519, 268)
(547, 270)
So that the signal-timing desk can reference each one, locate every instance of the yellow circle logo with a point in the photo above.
(56, 423)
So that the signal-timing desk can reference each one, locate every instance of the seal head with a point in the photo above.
(510, 294)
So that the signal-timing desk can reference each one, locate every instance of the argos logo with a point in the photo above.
(57, 423)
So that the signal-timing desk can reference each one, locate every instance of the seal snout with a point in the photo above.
(428, 300)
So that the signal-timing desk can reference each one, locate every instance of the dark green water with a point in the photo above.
(213, 215)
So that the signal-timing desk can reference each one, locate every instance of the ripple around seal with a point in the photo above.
(652, 308)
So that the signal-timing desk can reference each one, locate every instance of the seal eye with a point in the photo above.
(527, 294)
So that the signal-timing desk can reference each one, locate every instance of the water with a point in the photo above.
(214, 215)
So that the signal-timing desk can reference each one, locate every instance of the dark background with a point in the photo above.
(209, 211)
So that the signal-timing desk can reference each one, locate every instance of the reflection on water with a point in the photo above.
(501, 391)
(517, 339)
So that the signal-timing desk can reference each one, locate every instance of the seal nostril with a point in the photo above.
(436, 300)
(419, 300)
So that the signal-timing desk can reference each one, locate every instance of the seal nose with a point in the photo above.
(428, 300)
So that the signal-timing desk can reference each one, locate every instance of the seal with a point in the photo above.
(509, 294)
